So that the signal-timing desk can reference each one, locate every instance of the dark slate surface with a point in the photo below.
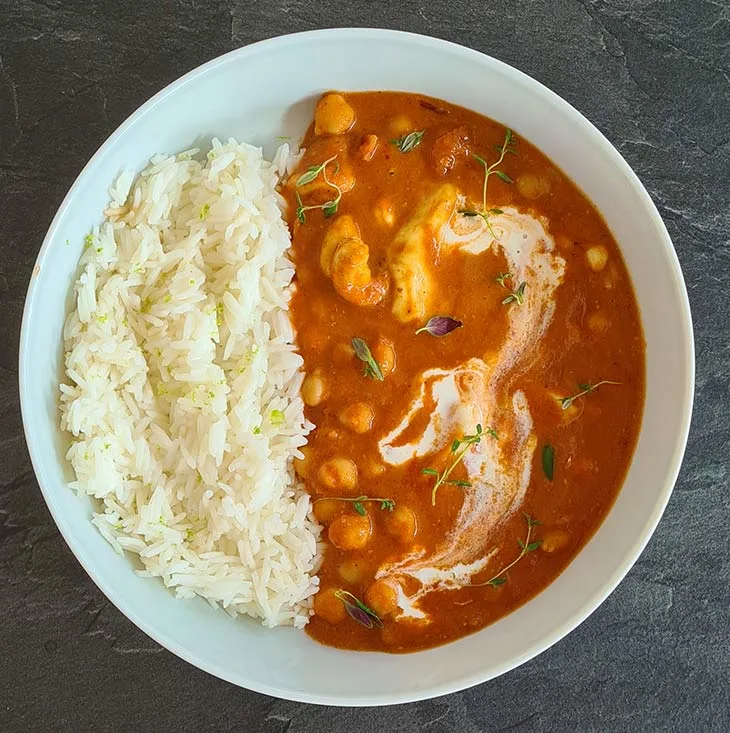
(655, 77)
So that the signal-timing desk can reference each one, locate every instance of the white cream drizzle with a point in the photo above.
(499, 470)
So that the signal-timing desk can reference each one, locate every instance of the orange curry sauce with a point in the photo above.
(595, 334)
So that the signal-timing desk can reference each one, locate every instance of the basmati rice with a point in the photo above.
(183, 383)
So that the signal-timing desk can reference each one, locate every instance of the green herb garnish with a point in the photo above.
(204, 211)
(516, 296)
(406, 143)
(372, 368)
(458, 449)
(548, 461)
(386, 505)
(585, 389)
(507, 147)
(526, 547)
(312, 172)
(329, 208)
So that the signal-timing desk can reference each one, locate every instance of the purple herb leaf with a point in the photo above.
(357, 614)
(441, 325)
(358, 611)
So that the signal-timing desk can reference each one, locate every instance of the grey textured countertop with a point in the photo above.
(654, 76)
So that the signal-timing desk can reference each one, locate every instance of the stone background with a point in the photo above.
(654, 76)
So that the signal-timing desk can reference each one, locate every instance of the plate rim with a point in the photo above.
(674, 462)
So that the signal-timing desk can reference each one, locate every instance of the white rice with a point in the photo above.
(183, 384)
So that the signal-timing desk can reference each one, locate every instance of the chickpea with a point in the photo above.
(382, 597)
(384, 353)
(329, 607)
(531, 186)
(597, 257)
(338, 473)
(351, 571)
(343, 352)
(303, 465)
(333, 115)
(358, 417)
(384, 212)
(332, 434)
(401, 125)
(350, 531)
(401, 524)
(368, 146)
(314, 389)
(554, 540)
(598, 323)
(374, 469)
(327, 510)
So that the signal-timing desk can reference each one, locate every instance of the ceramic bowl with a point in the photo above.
(267, 90)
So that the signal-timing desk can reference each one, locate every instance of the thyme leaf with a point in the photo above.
(311, 173)
(372, 368)
(516, 296)
(406, 143)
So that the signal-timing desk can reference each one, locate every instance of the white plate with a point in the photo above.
(268, 89)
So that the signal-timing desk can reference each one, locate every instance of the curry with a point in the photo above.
(474, 367)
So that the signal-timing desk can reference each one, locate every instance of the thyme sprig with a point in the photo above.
(458, 449)
(585, 389)
(329, 208)
(506, 148)
(516, 296)
(526, 547)
(386, 505)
